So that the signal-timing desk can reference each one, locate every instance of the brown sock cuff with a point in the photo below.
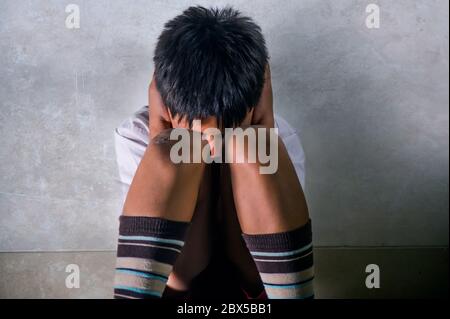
(280, 241)
(144, 226)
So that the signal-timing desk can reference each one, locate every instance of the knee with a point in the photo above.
(161, 187)
(179, 146)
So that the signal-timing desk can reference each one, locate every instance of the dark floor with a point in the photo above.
(340, 273)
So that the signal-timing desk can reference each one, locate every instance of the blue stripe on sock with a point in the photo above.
(280, 254)
(140, 291)
(141, 274)
(155, 239)
(288, 286)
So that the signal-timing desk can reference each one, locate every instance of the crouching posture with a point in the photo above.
(212, 65)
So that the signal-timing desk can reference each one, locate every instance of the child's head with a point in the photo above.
(210, 62)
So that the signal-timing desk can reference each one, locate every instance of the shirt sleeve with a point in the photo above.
(291, 140)
(130, 141)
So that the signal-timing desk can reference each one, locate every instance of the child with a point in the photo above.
(210, 65)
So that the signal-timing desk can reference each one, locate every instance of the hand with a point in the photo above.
(159, 118)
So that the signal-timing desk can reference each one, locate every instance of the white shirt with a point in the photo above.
(132, 137)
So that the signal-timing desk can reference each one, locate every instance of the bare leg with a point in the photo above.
(235, 247)
(175, 192)
(268, 203)
(196, 253)
(273, 215)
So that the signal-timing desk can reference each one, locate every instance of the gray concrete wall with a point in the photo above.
(371, 107)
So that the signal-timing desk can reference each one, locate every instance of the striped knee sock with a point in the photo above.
(285, 262)
(147, 250)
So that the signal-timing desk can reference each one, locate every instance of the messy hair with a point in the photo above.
(210, 62)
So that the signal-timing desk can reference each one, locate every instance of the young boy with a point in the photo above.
(178, 219)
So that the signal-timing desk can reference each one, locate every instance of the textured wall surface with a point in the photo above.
(371, 106)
